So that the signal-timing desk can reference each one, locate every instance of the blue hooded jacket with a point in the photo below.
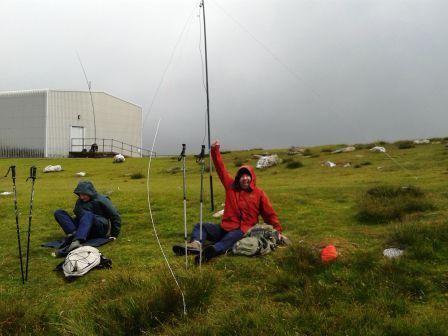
(99, 205)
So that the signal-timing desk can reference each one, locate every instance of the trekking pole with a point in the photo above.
(32, 176)
(12, 169)
(200, 160)
(184, 183)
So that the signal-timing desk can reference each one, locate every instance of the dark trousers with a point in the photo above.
(223, 240)
(84, 227)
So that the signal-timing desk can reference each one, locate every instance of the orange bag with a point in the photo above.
(329, 253)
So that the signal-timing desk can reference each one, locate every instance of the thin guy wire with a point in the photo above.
(154, 225)
(170, 61)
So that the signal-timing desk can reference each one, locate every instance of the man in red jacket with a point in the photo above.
(245, 202)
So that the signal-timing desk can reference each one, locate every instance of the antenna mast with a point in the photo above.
(89, 85)
(208, 109)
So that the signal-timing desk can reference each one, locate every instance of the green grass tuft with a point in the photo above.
(137, 176)
(422, 241)
(19, 317)
(404, 144)
(294, 164)
(130, 304)
(386, 203)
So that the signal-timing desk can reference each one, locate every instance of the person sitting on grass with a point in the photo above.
(244, 204)
(93, 211)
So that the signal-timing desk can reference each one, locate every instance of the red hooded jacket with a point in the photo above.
(243, 208)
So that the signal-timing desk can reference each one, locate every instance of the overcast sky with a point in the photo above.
(282, 73)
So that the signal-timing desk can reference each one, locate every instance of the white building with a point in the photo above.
(52, 123)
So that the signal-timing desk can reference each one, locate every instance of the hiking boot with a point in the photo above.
(74, 245)
(193, 247)
(67, 240)
(207, 254)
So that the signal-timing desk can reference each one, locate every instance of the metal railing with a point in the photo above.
(109, 145)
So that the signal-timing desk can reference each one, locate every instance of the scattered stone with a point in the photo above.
(344, 150)
(378, 149)
(392, 252)
(51, 169)
(296, 151)
(329, 164)
(267, 161)
(119, 158)
(421, 141)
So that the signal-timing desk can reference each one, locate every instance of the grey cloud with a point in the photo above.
(365, 70)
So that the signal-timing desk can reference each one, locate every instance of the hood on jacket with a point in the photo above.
(245, 169)
(86, 188)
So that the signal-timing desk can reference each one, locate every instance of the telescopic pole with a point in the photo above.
(184, 186)
(212, 202)
(201, 161)
(32, 177)
(12, 169)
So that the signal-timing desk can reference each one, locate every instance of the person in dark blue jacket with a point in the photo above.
(94, 213)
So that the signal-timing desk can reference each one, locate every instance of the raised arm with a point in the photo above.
(223, 174)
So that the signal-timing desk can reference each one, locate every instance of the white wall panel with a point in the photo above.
(22, 124)
(63, 110)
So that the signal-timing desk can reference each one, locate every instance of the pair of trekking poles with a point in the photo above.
(199, 159)
(32, 177)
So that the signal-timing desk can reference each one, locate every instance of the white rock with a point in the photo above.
(392, 252)
(267, 161)
(119, 158)
(329, 164)
(50, 169)
(421, 141)
(378, 149)
(344, 150)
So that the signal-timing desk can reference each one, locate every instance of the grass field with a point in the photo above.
(286, 293)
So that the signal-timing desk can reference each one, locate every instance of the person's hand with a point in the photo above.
(283, 239)
(215, 143)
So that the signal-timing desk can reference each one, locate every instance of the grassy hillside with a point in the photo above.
(286, 293)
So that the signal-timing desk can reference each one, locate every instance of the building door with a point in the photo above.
(76, 139)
